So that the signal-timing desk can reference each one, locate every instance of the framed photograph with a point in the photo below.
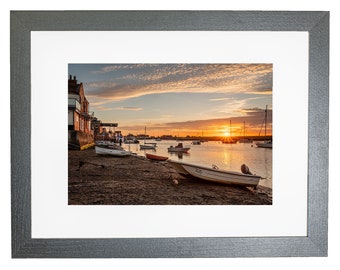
(150, 134)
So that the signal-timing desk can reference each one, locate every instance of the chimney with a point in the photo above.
(74, 78)
(70, 77)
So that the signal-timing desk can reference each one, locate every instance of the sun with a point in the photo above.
(226, 133)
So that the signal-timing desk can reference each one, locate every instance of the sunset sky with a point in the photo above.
(179, 99)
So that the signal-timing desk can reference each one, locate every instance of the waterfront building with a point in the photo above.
(96, 126)
(80, 133)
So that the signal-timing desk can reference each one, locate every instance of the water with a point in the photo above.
(224, 156)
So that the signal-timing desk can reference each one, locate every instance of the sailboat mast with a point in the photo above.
(244, 129)
(230, 129)
(265, 122)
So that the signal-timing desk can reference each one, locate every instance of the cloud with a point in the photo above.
(262, 92)
(129, 81)
(219, 99)
(128, 109)
(101, 108)
(119, 67)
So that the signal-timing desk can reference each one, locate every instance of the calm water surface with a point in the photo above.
(225, 156)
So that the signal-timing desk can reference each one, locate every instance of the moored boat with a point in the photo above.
(155, 157)
(131, 141)
(216, 175)
(178, 148)
(228, 141)
(267, 144)
(245, 139)
(112, 151)
(148, 146)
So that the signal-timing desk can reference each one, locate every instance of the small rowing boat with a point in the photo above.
(155, 157)
(246, 178)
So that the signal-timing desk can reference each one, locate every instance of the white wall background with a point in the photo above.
(6, 262)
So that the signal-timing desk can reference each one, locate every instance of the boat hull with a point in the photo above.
(112, 152)
(143, 146)
(265, 145)
(175, 149)
(229, 142)
(155, 157)
(220, 176)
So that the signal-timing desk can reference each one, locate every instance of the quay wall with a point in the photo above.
(79, 140)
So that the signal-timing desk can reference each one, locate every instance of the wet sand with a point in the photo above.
(135, 180)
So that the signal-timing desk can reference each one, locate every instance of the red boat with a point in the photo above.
(155, 157)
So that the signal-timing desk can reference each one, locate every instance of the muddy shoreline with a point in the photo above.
(135, 180)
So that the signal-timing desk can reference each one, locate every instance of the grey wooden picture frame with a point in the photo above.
(316, 23)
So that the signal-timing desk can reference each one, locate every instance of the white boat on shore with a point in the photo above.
(119, 152)
(216, 175)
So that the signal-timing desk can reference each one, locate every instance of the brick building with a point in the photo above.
(80, 134)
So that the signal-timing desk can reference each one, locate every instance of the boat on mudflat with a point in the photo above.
(244, 178)
(119, 152)
(155, 157)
